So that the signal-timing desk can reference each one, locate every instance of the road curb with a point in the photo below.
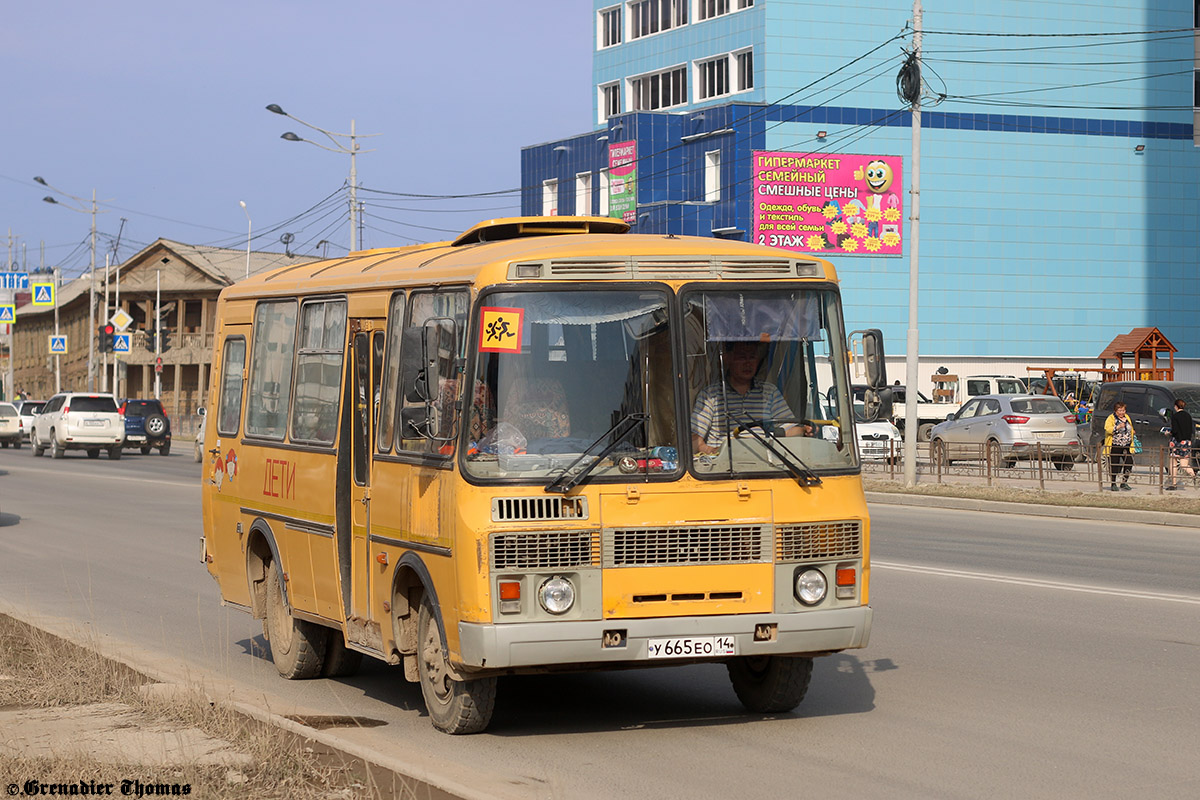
(1036, 510)
(258, 705)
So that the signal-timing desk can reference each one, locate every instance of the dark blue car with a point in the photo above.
(147, 426)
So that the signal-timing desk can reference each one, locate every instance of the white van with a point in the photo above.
(993, 384)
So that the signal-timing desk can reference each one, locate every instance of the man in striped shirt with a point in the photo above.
(742, 397)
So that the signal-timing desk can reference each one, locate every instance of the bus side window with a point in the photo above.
(229, 413)
(386, 418)
(425, 306)
(319, 371)
(271, 369)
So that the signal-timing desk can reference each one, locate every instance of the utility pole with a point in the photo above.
(92, 305)
(157, 335)
(913, 95)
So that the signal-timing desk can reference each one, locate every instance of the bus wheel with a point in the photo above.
(455, 706)
(297, 646)
(340, 661)
(770, 684)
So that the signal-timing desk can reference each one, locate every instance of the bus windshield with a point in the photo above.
(562, 376)
(766, 373)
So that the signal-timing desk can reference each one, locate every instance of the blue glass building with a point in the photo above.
(1060, 181)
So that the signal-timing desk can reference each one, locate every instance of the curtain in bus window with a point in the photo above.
(319, 371)
(271, 369)
(587, 308)
(732, 317)
(230, 412)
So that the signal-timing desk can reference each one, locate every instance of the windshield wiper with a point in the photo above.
(567, 481)
(804, 474)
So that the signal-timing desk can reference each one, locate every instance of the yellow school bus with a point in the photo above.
(548, 444)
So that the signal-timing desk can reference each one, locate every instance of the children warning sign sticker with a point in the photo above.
(500, 329)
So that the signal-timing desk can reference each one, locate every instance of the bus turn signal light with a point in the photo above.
(510, 597)
(846, 578)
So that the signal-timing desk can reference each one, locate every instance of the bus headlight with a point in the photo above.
(811, 586)
(557, 595)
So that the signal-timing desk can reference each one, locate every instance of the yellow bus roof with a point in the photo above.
(570, 247)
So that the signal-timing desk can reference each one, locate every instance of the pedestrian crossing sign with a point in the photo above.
(8, 313)
(121, 342)
(43, 294)
(58, 344)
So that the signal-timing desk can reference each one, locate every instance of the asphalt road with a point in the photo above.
(1011, 657)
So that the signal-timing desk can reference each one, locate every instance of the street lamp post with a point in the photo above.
(249, 227)
(83, 209)
(338, 147)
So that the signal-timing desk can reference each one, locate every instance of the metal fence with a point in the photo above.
(999, 465)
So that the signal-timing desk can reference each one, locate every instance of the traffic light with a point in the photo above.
(107, 331)
(164, 338)
(151, 339)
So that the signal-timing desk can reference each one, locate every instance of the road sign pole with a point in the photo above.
(57, 357)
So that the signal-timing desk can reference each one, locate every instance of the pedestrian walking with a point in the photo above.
(1118, 439)
(1182, 432)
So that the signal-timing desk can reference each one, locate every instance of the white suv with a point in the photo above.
(79, 421)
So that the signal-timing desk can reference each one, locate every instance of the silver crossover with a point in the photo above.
(1006, 428)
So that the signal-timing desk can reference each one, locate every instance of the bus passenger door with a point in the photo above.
(363, 376)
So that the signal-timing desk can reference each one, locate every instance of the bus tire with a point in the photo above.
(455, 706)
(297, 646)
(770, 684)
(340, 661)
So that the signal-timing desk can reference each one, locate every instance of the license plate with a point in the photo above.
(95, 423)
(691, 647)
(1048, 434)
(136, 438)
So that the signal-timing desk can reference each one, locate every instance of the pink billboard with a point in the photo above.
(828, 203)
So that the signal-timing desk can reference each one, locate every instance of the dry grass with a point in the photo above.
(1187, 502)
(38, 670)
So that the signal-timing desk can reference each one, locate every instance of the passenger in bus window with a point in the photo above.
(742, 396)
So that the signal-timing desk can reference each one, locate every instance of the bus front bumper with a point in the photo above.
(536, 644)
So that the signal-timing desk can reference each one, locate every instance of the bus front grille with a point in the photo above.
(544, 550)
(695, 544)
(525, 509)
(818, 541)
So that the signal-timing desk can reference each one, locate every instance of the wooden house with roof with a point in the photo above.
(187, 279)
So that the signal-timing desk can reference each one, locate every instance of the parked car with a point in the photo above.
(28, 410)
(147, 426)
(12, 429)
(1149, 404)
(200, 435)
(877, 441)
(79, 421)
(1006, 428)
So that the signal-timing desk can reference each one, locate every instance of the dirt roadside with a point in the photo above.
(74, 722)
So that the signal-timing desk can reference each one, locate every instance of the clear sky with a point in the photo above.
(159, 107)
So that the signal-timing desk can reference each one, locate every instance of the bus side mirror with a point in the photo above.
(415, 363)
(418, 422)
(877, 404)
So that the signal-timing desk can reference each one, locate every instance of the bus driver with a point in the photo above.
(746, 398)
